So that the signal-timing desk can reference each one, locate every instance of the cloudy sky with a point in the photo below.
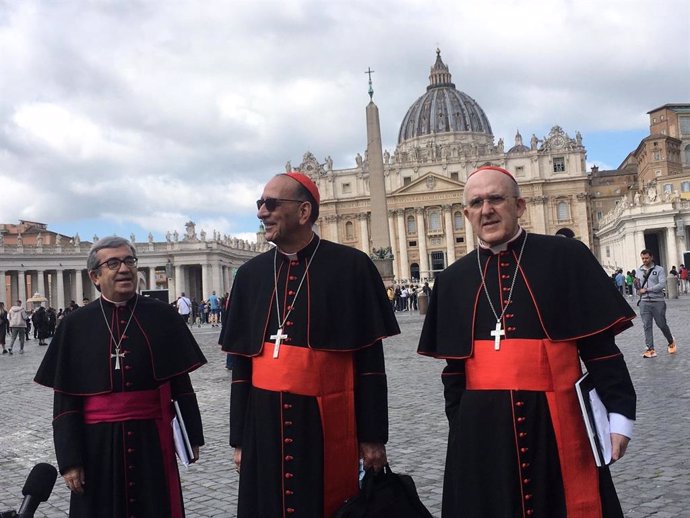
(121, 116)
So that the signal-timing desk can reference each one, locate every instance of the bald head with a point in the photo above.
(498, 175)
(493, 205)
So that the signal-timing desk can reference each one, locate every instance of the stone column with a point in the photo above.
(469, 236)
(3, 289)
(79, 283)
(152, 277)
(179, 281)
(21, 286)
(450, 238)
(331, 227)
(672, 248)
(539, 219)
(217, 282)
(364, 233)
(391, 233)
(421, 242)
(205, 281)
(60, 288)
(402, 243)
(639, 245)
(41, 284)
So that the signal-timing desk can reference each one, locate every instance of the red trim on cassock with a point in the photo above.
(553, 368)
(143, 404)
(294, 371)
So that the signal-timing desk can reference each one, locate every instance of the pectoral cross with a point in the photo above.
(117, 355)
(497, 333)
(277, 338)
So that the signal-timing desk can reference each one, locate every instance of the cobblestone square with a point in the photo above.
(653, 480)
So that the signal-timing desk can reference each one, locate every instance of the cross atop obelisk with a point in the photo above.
(369, 71)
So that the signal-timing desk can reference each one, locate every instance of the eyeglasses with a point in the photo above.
(495, 200)
(114, 263)
(272, 203)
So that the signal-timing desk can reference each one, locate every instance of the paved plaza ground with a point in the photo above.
(653, 480)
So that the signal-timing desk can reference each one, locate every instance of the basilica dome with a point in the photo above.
(443, 109)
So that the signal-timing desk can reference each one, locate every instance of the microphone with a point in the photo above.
(37, 488)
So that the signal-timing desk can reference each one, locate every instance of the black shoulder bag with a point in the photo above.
(384, 495)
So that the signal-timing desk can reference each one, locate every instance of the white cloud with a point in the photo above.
(153, 113)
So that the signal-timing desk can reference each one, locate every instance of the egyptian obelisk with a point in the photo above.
(380, 238)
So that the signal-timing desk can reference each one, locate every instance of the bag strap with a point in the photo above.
(646, 278)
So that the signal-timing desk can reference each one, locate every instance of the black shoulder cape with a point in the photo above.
(77, 360)
(573, 296)
(348, 302)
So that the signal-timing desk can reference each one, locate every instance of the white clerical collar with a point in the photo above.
(293, 255)
(117, 304)
(503, 246)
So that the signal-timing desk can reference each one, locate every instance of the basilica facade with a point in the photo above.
(443, 137)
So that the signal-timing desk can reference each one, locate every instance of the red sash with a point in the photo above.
(553, 368)
(137, 405)
(329, 377)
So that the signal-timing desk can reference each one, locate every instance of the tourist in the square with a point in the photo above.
(651, 282)
(517, 444)
(304, 326)
(18, 318)
(4, 326)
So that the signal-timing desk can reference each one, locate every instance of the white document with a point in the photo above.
(596, 419)
(182, 446)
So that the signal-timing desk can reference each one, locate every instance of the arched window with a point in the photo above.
(562, 211)
(411, 224)
(349, 230)
(435, 220)
(458, 220)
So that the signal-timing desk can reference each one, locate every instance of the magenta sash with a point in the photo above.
(139, 405)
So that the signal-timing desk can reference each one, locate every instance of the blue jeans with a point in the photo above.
(655, 311)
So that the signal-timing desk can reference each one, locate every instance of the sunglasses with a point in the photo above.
(272, 203)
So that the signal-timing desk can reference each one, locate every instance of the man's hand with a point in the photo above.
(374, 455)
(75, 480)
(195, 452)
(237, 457)
(619, 443)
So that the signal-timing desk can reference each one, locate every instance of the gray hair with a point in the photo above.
(107, 242)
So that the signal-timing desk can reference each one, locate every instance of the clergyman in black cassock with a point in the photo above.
(114, 366)
(513, 319)
(304, 326)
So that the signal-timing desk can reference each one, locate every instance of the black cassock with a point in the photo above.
(123, 463)
(341, 308)
(503, 454)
